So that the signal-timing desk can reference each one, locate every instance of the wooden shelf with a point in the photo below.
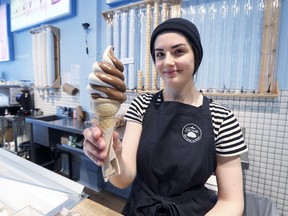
(251, 95)
(219, 94)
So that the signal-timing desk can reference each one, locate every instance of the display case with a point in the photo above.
(15, 135)
(35, 188)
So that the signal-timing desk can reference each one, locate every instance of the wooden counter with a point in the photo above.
(87, 207)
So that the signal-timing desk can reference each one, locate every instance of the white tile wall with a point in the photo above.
(48, 102)
(265, 120)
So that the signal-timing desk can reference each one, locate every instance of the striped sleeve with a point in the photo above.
(229, 140)
(138, 107)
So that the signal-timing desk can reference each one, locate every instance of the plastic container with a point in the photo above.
(28, 211)
(259, 205)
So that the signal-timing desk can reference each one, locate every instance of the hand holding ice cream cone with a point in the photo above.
(107, 90)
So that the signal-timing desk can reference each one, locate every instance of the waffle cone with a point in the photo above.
(105, 111)
(105, 107)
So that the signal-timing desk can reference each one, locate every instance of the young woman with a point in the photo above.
(176, 138)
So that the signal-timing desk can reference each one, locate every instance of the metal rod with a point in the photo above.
(56, 31)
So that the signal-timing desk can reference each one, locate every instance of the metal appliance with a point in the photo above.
(8, 103)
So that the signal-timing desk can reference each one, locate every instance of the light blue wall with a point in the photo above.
(72, 46)
(282, 66)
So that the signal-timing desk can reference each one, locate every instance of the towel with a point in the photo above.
(70, 89)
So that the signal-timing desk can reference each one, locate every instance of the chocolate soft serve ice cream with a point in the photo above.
(107, 79)
(107, 91)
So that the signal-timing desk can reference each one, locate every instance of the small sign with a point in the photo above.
(129, 60)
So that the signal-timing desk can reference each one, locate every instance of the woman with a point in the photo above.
(176, 138)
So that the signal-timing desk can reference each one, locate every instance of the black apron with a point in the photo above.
(175, 157)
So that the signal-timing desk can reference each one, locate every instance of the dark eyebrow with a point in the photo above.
(177, 45)
(173, 47)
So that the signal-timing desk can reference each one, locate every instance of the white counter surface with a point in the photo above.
(23, 183)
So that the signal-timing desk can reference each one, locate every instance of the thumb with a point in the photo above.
(117, 145)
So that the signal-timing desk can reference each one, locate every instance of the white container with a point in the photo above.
(28, 211)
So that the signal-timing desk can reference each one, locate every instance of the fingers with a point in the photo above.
(92, 135)
(94, 145)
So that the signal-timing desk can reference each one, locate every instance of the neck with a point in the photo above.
(186, 95)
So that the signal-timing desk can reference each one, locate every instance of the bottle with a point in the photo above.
(74, 113)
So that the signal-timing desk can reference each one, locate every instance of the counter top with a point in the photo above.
(65, 124)
(88, 207)
(12, 118)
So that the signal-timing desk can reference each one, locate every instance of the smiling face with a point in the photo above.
(174, 59)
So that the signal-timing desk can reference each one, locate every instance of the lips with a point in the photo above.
(170, 72)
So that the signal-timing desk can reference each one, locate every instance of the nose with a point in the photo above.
(169, 60)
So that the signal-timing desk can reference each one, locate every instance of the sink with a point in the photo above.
(48, 118)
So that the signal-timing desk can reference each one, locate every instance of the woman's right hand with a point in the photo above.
(94, 145)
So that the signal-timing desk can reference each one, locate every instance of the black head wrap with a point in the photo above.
(186, 28)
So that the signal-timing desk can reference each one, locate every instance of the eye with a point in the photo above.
(159, 55)
(179, 52)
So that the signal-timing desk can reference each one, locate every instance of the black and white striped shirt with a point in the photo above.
(229, 139)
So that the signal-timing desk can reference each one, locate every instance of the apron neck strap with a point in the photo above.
(206, 102)
(158, 99)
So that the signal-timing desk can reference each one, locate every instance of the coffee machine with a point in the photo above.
(25, 101)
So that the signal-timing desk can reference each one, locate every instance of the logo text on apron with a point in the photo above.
(191, 133)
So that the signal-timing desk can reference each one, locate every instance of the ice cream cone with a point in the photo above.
(105, 111)
(107, 90)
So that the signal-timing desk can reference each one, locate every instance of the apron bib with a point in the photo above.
(175, 157)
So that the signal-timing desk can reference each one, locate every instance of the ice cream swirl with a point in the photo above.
(107, 79)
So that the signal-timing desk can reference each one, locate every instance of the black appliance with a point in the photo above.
(25, 101)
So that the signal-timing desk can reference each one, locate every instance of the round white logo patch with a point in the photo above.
(191, 133)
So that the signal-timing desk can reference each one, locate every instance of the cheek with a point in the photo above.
(158, 66)
(189, 64)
